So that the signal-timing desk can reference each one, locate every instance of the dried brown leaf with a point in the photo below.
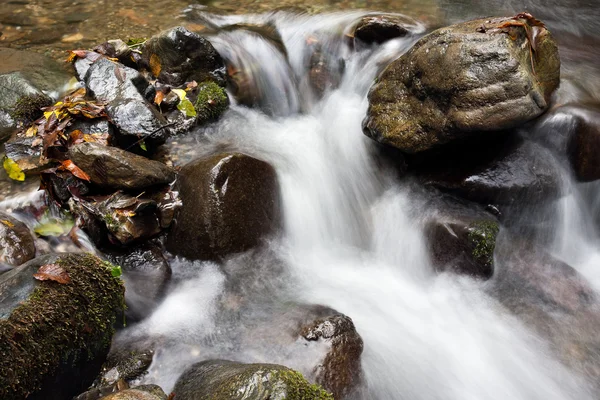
(155, 66)
(52, 272)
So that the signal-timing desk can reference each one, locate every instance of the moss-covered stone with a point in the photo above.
(29, 108)
(227, 380)
(482, 237)
(212, 101)
(54, 337)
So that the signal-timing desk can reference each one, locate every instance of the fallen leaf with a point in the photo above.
(75, 170)
(159, 97)
(13, 170)
(31, 131)
(155, 66)
(185, 105)
(54, 227)
(7, 223)
(52, 272)
(143, 145)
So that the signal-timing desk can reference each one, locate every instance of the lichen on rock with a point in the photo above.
(482, 235)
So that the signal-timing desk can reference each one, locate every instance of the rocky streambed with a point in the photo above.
(348, 205)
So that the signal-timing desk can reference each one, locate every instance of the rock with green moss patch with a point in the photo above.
(228, 380)
(54, 336)
(212, 101)
(29, 108)
(145, 392)
(461, 237)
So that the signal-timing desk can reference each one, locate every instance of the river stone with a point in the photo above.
(16, 242)
(461, 238)
(145, 392)
(503, 170)
(111, 167)
(122, 89)
(228, 380)
(177, 56)
(54, 337)
(231, 201)
(381, 28)
(146, 274)
(463, 80)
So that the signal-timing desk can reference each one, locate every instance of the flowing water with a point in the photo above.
(353, 240)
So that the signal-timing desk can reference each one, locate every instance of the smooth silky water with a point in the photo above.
(353, 240)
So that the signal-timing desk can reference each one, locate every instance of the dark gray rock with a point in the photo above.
(54, 337)
(16, 242)
(177, 56)
(467, 79)
(110, 167)
(227, 380)
(231, 201)
(381, 28)
(27, 153)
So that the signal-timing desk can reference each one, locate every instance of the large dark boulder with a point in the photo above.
(463, 80)
(111, 167)
(177, 56)
(122, 89)
(55, 336)
(231, 201)
(503, 170)
(227, 380)
(461, 238)
(16, 242)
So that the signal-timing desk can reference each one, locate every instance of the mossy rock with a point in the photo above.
(29, 108)
(228, 380)
(212, 101)
(54, 337)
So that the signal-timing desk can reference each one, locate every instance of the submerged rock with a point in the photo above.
(110, 167)
(464, 80)
(325, 68)
(16, 242)
(54, 336)
(230, 201)
(227, 380)
(503, 170)
(177, 56)
(381, 28)
(462, 239)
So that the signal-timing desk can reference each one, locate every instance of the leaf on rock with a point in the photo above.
(143, 146)
(75, 170)
(52, 272)
(115, 271)
(159, 97)
(155, 66)
(7, 223)
(185, 105)
(54, 227)
(13, 170)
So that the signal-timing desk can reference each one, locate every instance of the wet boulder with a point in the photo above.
(111, 167)
(325, 68)
(376, 29)
(146, 274)
(502, 170)
(123, 90)
(228, 380)
(16, 242)
(177, 56)
(55, 331)
(461, 238)
(467, 79)
(145, 392)
(230, 202)
(27, 153)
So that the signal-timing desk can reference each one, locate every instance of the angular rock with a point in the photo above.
(58, 355)
(381, 28)
(123, 89)
(146, 274)
(467, 79)
(177, 56)
(111, 167)
(462, 238)
(16, 242)
(230, 201)
(227, 380)
(501, 170)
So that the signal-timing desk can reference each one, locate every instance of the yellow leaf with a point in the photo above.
(7, 223)
(13, 170)
(48, 114)
(31, 131)
(180, 93)
(155, 66)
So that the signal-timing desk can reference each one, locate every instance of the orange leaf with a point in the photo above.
(155, 66)
(159, 97)
(73, 54)
(75, 170)
(52, 272)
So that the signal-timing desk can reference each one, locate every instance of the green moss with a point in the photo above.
(29, 108)
(482, 238)
(59, 324)
(211, 102)
(300, 389)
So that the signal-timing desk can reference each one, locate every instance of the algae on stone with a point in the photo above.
(211, 102)
(482, 235)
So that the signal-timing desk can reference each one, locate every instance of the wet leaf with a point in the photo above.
(74, 54)
(159, 97)
(53, 227)
(143, 146)
(134, 42)
(13, 170)
(7, 223)
(185, 105)
(155, 66)
(52, 272)
(116, 271)
(75, 170)
(31, 131)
